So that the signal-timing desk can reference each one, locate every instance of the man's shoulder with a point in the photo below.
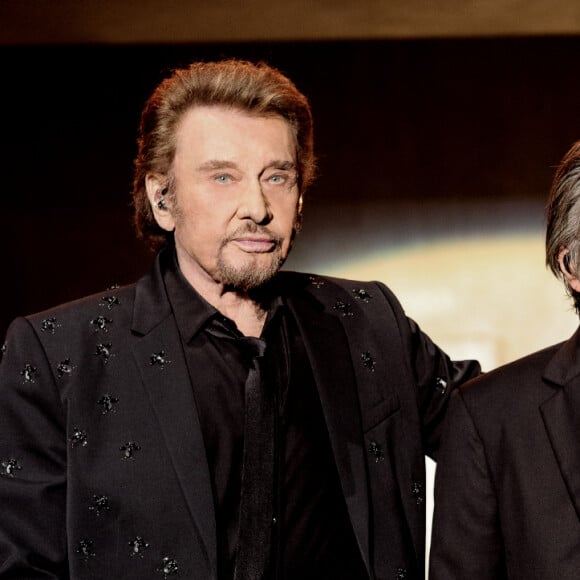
(113, 299)
(322, 282)
(511, 387)
(368, 303)
(84, 329)
(107, 300)
(105, 312)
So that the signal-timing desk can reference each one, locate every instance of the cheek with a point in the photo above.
(287, 211)
(196, 217)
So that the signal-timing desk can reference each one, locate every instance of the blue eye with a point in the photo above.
(223, 178)
(277, 179)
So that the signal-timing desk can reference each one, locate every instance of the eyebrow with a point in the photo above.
(284, 165)
(214, 164)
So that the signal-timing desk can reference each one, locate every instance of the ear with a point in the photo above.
(567, 270)
(156, 193)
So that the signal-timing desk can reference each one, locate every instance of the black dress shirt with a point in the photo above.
(312, 534)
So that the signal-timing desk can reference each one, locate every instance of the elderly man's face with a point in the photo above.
(236, 196)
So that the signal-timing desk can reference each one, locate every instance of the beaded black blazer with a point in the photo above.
(103, 472)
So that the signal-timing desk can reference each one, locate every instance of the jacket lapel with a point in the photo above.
(561, 414)
(160, 359)
(328, 349)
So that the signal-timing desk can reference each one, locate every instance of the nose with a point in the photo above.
(254, 204)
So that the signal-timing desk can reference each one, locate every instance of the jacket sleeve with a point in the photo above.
(433, 374)
(466, 539)
(33, 451)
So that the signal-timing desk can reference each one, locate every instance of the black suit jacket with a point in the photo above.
(507, 495)
(104, 473)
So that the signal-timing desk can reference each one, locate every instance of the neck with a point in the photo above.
(245, 308)
(248, 314)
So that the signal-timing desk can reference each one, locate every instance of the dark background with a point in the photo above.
(419, 124)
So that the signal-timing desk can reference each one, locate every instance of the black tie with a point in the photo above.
(256, 513)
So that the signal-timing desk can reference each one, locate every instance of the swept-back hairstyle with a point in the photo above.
(563, 219)
(256, 88)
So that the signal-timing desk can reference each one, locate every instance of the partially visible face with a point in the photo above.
(236, 195)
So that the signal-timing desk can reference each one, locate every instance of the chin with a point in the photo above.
(249, 276)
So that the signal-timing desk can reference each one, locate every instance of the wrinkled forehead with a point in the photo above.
(215, 124)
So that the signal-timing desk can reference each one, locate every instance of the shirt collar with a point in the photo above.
(190, 309)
